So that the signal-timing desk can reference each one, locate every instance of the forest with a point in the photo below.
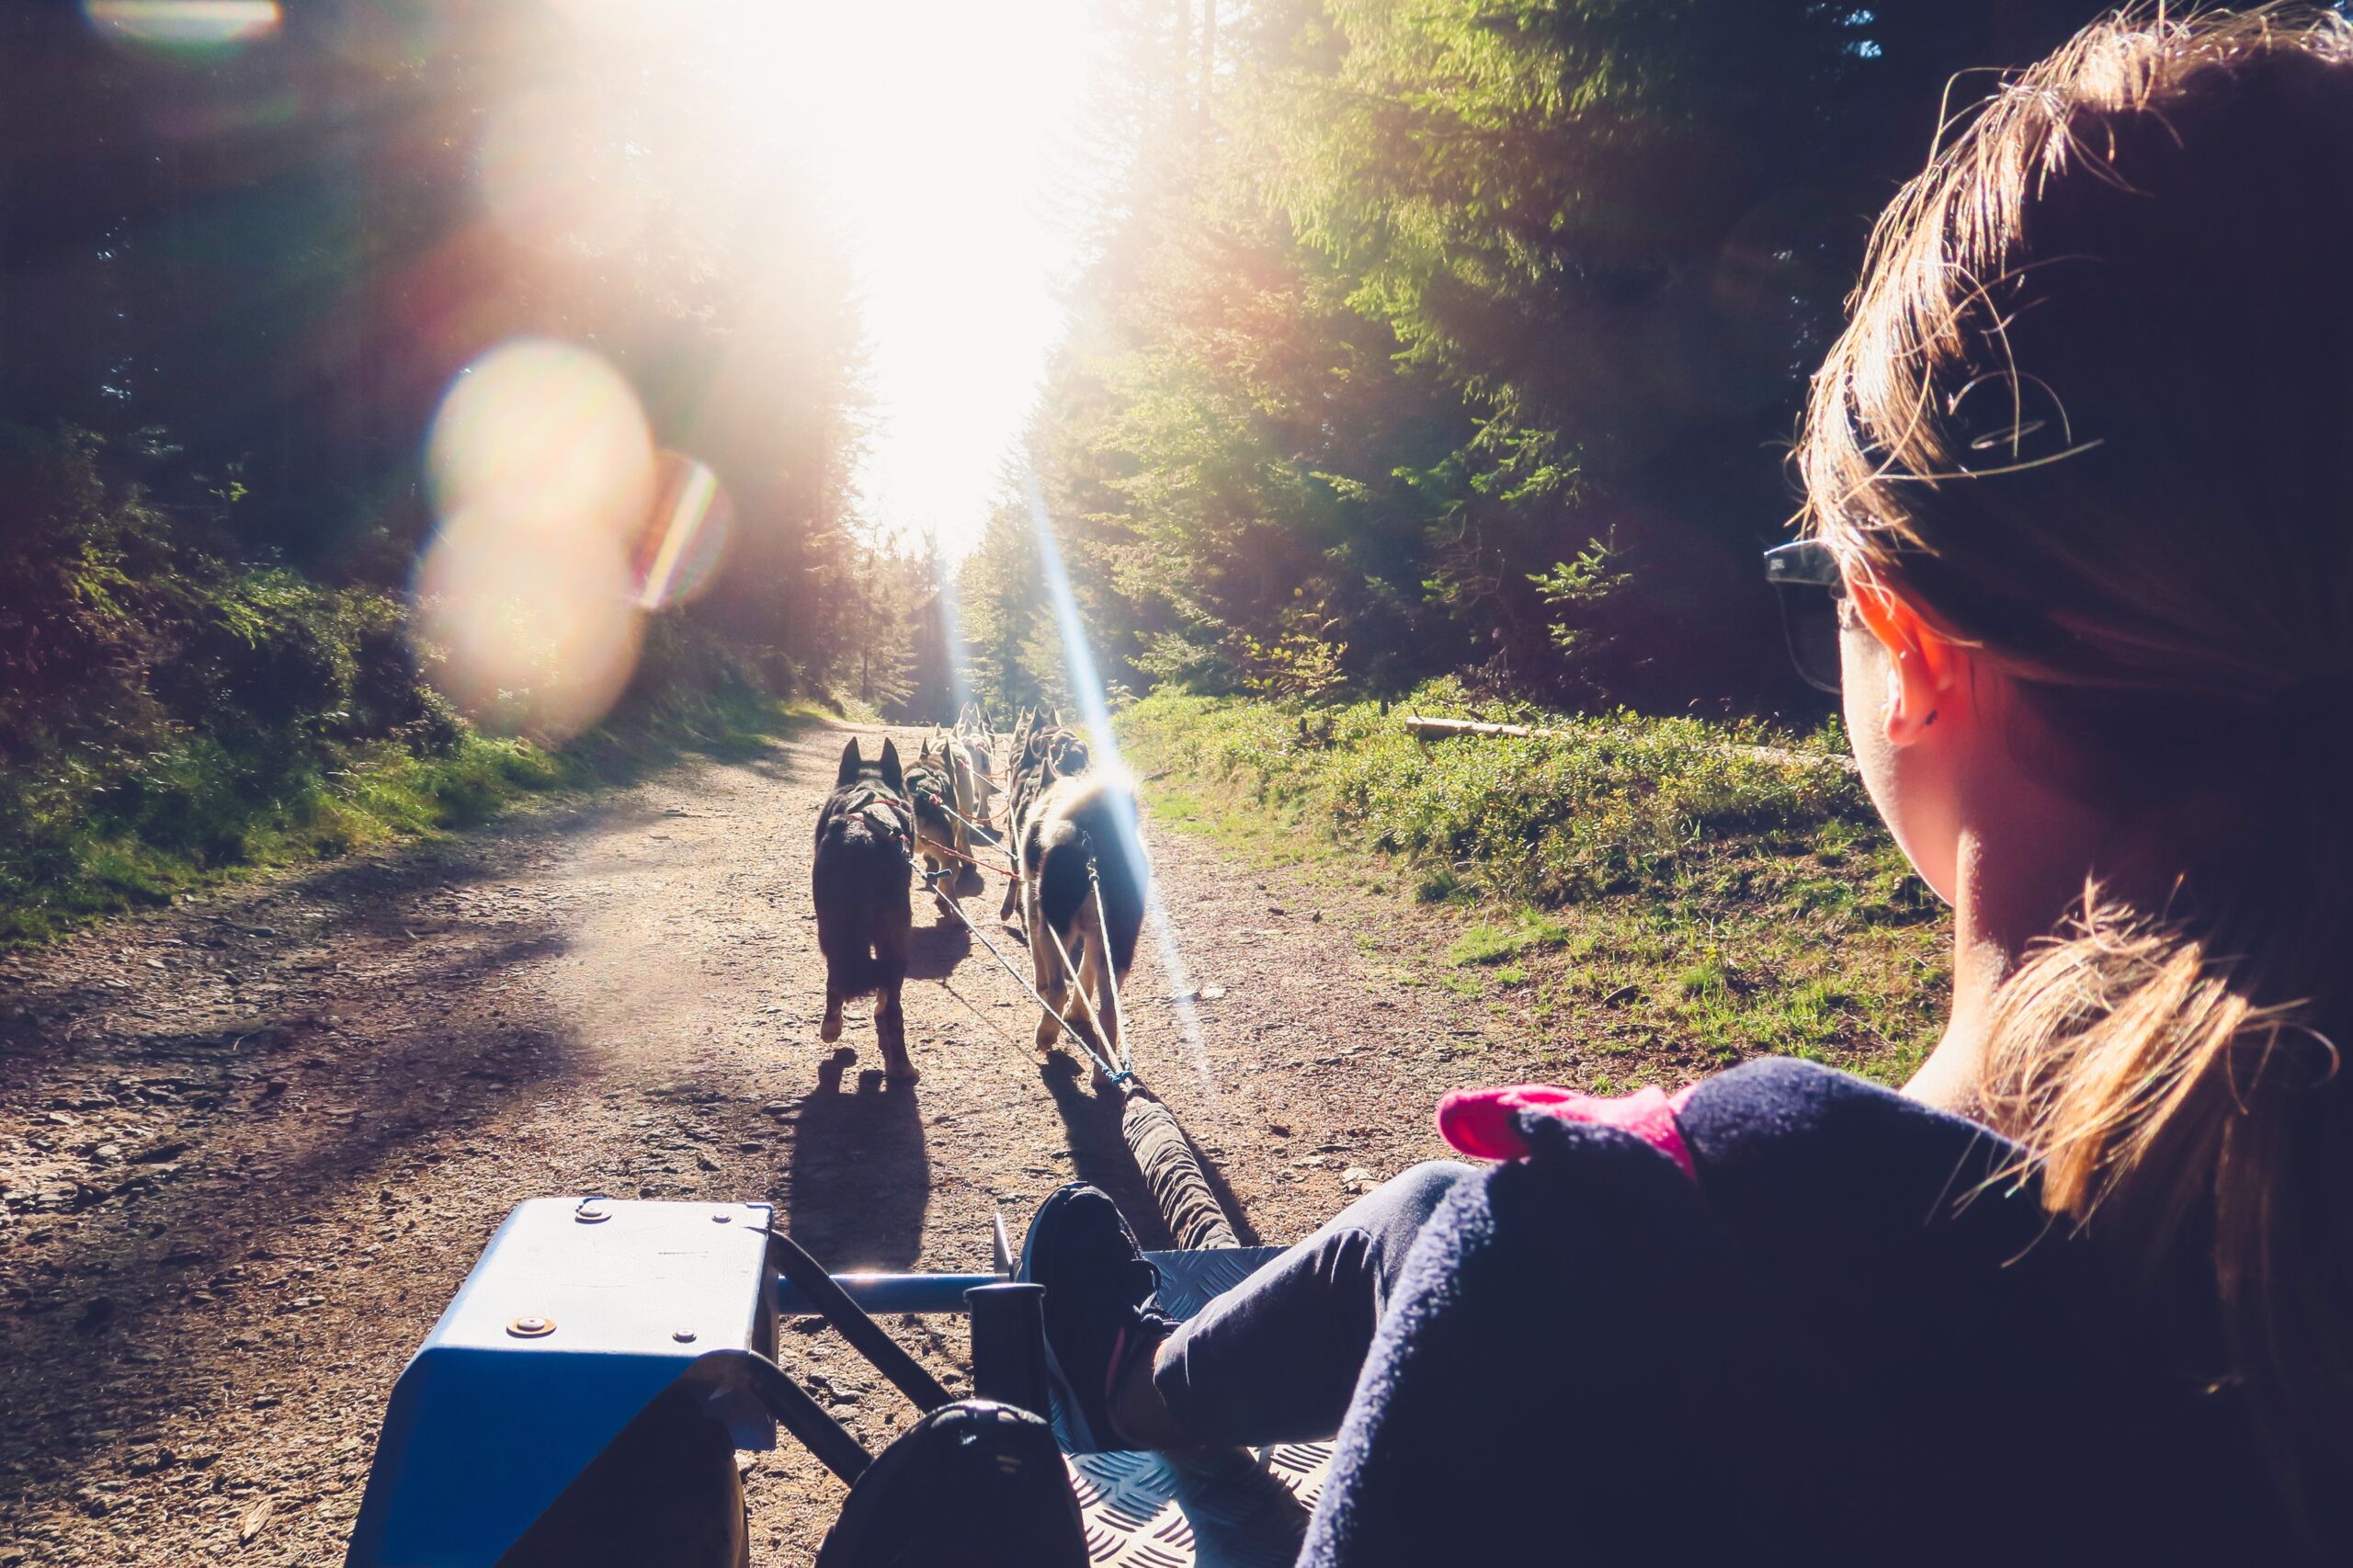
(379, 405)
(321, 346)
(1468, 336)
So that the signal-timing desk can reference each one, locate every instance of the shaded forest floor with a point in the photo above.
(250, 1145)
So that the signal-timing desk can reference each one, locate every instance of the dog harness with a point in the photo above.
(882, 808)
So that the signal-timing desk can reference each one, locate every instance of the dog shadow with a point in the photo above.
(861, 1181)
(936, 949)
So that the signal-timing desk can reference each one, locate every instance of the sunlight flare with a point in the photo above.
(686, 537)
(191, 29)
(1095, 711)
(542, 472)
(554, 184)
(548, 437)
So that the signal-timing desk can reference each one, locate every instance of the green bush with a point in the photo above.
(1709, 892)
(166, 713)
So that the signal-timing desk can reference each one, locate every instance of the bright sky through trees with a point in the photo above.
(956, 139)
(955, 150)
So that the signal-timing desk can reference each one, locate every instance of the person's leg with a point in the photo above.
(1272, 1360)
(1275, 1359)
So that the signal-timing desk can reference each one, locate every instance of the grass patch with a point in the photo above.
(1668, 892)
(1488, 943)
(210, 808)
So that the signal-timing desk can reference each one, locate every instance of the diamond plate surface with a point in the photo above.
(1228, 1508)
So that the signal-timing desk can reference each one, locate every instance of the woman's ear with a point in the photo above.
(1927, 673)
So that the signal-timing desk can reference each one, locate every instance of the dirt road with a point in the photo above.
(250, 1146)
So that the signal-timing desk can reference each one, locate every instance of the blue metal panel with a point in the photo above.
(582, 1310)
(568, 1326)
(890, 1293)
(1187, 1280)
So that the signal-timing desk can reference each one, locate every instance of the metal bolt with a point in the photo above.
(532, 1327)
(721, 1219)
(588, 1213)
(684, 1336)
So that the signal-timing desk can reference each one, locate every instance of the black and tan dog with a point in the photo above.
(1082, 839)
(970, 752)
(1043, 752)
(859, 878)
(943, 842)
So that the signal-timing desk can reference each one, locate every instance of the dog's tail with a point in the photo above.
(1106, 818)
(1057, 852)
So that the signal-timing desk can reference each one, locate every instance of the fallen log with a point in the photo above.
(1441, 729)
(1422, 726)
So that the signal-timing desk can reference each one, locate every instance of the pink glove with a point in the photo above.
(1486, 1123)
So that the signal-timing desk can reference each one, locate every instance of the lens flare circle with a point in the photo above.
(545, 435)
(686, 535)
(542, 472)
(190, 28)
(525, 640)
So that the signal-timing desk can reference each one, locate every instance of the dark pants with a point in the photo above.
(1275, 1358)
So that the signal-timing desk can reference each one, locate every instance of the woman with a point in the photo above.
(2079, 480)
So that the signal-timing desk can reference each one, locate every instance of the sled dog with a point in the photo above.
(859, 879)
(1082, 841)
(942, 841)
(1046, 752)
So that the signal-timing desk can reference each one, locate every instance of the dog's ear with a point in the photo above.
(890, 774)
(849, 764)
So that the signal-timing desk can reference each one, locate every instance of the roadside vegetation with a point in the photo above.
(199, 811)
(1663, 894)
(172, 715)
(215, 522)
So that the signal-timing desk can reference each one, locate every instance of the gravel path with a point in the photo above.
(249, 1147)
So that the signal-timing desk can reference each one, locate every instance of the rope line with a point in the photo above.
(929, 848)
(1071, 969)
(1110, 968)
(978, 827)
(1001, 1031)
(1115, 1075)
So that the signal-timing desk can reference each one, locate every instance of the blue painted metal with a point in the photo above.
(1187, 1280)
(492, 1418)
(890, 1293)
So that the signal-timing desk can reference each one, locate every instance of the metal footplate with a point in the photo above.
(1239, 1508)
(1235, 1508)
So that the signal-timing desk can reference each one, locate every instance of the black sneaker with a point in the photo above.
(1097, 1282)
